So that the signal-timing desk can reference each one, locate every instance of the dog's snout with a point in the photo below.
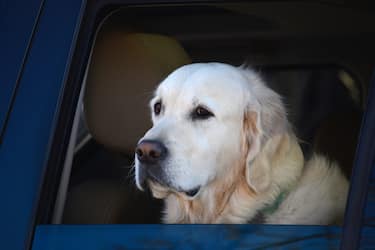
(150, 151)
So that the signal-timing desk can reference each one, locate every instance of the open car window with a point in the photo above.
(314, 70)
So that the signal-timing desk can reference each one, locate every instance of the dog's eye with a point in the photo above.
(201, 113)
(157, 108)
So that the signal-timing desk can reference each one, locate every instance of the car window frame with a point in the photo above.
(94, 13)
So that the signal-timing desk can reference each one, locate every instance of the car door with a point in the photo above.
(37, 45)
(210, 236)
(35, 143)
(17, 25)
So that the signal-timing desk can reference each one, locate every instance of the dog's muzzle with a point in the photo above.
(150, 154)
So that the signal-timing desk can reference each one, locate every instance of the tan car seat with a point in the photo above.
(125, 69)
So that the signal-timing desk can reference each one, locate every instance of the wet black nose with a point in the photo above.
(150, 151)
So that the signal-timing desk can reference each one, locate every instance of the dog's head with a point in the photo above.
(205, 118)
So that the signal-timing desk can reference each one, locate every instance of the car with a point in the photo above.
(72, 108)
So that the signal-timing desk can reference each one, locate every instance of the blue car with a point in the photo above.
(74, 84)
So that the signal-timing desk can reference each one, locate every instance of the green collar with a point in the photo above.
(271, 208)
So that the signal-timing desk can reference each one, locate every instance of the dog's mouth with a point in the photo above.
(192, 192)
(146, 176)
(158, 181)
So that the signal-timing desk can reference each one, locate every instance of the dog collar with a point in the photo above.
(271, 208)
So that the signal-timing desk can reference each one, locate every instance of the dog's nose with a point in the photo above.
(150, 151)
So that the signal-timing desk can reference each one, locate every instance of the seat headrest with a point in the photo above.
(125, 69)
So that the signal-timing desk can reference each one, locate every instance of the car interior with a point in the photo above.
(318, 56)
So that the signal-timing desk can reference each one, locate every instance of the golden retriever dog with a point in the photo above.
(221, 150)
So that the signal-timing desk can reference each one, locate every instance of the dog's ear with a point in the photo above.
(264, 123)
(257, 175)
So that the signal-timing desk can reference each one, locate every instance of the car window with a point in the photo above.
(126, 66)
(315, 71)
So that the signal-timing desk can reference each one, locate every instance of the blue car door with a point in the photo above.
(17, 23)
(36, 47)
(38, 44)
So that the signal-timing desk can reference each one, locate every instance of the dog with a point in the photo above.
(221, 150)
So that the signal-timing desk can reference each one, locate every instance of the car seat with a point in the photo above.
(125, 68)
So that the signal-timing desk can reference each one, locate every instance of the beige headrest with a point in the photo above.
(125, 69)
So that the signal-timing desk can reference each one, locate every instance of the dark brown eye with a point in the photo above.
(201, 113)
(157, 108)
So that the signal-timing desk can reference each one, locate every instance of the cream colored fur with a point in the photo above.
(242, 158)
